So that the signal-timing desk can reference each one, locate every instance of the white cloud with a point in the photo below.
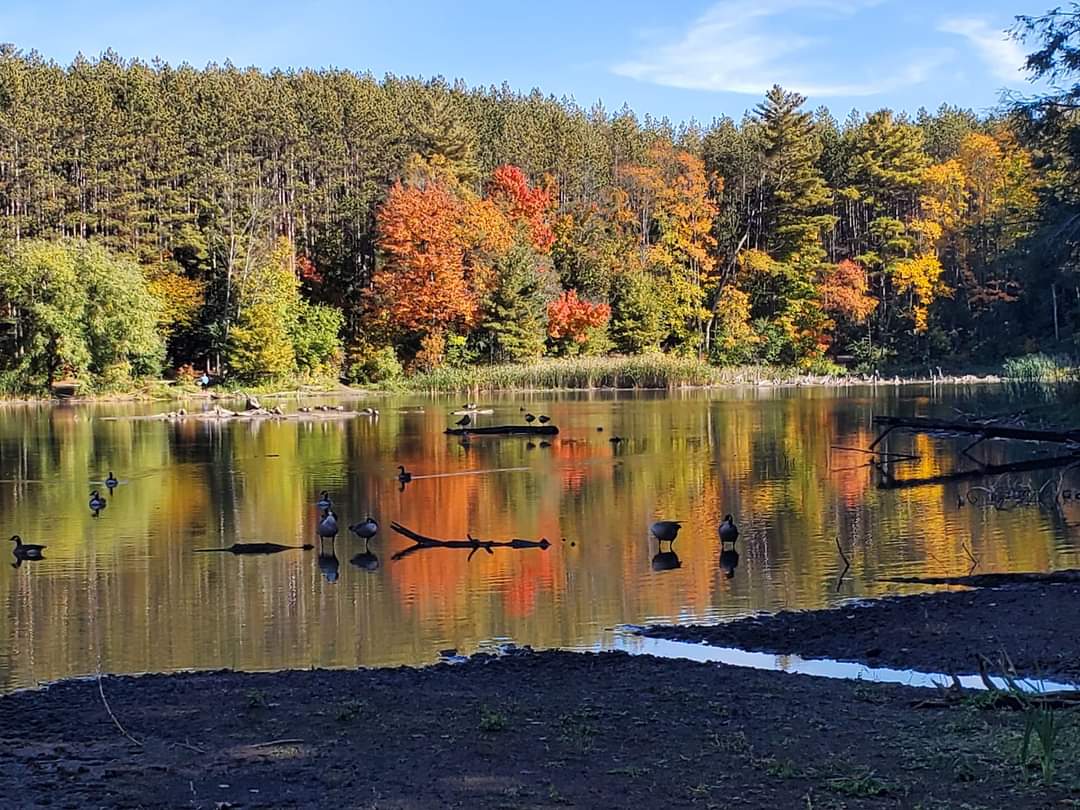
(1002, 54)
(746, 46)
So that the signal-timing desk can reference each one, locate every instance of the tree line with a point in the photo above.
(265, 224)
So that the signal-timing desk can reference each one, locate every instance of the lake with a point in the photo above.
(126, 592)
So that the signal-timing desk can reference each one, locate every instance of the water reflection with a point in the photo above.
(665, 561)
(129, 582)
(328, 561)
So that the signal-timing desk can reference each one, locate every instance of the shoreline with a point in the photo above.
(361, 392)
(540, 730)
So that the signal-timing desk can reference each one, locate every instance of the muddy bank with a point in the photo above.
(544, 730)
(1035, 623)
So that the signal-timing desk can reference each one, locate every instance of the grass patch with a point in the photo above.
(578, 373)
(492, 720)
(863, 783)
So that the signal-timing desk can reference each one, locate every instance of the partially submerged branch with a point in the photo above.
(474, 544)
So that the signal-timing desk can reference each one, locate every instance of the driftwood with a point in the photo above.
(256, 548)
(994, 580)
(1014, 696)
(888, 481)
(505, 430)
(472, 543)
(982, 430)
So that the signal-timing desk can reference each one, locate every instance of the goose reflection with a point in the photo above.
(666, 561)
(328, 563)
(729, 561)
(366, 560)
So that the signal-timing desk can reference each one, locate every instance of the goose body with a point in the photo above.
(666, 530)
(530, 418)
(404, 476)
(543, 420)
(366, 529)
(97, 503)
(328, 526)
(728, 531)
(463, 421)
(324, 501)
(616, 440)
(111, 483)
(26, 551)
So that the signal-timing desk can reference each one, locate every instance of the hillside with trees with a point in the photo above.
(162, 219)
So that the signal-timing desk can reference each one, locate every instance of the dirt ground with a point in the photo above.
(1037, 625)
(529, 730)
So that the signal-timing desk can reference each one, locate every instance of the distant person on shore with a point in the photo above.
(204, 379)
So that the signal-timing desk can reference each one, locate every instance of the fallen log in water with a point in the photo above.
(423, 542)
(888, 481)
(987, 430)
(1067, 575)
(256, 548)
(505, 430)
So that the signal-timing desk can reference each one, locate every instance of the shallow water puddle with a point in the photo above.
(627, 640)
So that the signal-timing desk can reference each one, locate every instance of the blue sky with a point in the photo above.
(691, 59)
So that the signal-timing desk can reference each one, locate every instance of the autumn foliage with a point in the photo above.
(570, 317)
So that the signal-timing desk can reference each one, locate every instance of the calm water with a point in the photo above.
(126, 588)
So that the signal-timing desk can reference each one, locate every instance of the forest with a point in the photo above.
(166, 220)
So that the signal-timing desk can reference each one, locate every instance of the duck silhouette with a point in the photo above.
(97, 503)
(111, 482)
(530, 418)
(543, 420)
(666, 561)
(464, 421)
(25, 551)
(403, 477)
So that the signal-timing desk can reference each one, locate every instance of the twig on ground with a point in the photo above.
(108, 709)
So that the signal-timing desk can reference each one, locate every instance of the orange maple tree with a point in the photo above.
(422, 284)
(570, 317)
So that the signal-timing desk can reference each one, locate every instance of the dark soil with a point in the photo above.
(535, 730)
(1037, 625)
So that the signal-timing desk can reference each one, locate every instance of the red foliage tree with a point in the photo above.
(570, 317)
(509, 189)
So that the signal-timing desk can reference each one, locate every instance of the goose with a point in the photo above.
(404, 476)
(366, 529)
(328, 524)
(111, 483)
(666, 530)
(370, 412)
(26, 551)
(530, 418)
(463, 421)
(545, 444)
(530, 446)
(324, 501)
(469, 406)
(729, 561)
(616, 440)
(728, 531)
(97, 503)
(543, 419)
